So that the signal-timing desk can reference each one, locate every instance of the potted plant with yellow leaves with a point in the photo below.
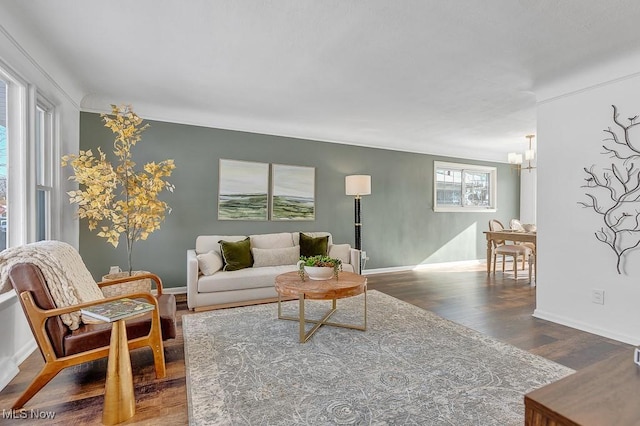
(118, 199)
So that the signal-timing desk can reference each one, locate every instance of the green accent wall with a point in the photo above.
(399, 227)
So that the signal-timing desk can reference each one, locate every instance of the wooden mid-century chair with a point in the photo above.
(61, 348)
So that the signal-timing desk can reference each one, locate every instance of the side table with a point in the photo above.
(119, 398)
(603, 394)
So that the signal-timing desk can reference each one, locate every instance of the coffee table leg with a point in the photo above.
(303, 337)
(302, 320)
(279, 306)
(365, 308)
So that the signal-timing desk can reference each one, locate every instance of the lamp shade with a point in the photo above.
(357, 185)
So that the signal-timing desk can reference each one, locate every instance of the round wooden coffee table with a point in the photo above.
(348, 284)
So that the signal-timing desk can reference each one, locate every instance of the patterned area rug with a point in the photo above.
(246, 367)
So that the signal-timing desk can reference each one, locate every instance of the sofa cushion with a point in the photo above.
(296, 236)
(275, 256)
(272, 241)
(243, 279)
(340, 251)
(313, 246)
(207, 243)
(209, 263)
(236, 254)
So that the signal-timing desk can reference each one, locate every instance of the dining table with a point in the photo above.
(507, 235)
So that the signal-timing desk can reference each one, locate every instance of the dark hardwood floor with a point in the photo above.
(496, 306)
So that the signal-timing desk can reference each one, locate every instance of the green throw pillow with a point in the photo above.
(236, 255)
(313, 246)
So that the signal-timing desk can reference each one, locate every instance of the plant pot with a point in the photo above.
(319, 272)
(123, 289)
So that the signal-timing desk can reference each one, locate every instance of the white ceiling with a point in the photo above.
(442, 77)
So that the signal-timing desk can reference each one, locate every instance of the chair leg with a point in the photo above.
(494, 263)
(48, 372)
(503, 260)
(157, 347)
(158, 360)
(515, 266)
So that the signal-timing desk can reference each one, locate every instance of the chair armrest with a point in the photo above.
(38, 317)
(192, 278)
(28, 300)
(152, 277)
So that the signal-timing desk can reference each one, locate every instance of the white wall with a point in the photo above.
(528, 196)
(571, 261)
(15, 335)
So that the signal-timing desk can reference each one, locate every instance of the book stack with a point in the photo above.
(117, 309)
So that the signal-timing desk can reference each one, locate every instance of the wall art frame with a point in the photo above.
(243, 190)
(292, 193)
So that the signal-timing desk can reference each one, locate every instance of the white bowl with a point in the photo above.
(319, 272)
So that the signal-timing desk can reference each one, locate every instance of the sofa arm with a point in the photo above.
(192, 278)
(355, 259)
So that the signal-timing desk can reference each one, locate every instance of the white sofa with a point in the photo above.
(219, 289)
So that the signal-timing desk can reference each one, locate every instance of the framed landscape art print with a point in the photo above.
(243, 190)
(293, 192)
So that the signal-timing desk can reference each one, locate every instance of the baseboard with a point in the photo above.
(385, 270)
(8, 370)
(9, 365)
(26, 350)
(172, 290)
(559, 319)
(175, 290)
(423, 266)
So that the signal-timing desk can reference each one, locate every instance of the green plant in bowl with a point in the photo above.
(318, 261)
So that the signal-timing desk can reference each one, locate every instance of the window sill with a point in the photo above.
(464, 210)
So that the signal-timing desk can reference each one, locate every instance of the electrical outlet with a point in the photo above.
(597, 296)
(363, 254)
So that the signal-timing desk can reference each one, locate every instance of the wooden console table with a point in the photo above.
(605, 393)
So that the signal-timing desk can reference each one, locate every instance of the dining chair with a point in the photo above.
(516, 225)
(500, 247)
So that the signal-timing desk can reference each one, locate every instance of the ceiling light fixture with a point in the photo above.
(516, 159)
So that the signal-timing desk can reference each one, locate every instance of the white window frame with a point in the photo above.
(17, 155)
(49, 178)
(22, 101)
(493, 187)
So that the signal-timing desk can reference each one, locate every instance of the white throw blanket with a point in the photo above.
(68, 279)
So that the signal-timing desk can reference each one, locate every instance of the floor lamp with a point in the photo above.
(358, 185)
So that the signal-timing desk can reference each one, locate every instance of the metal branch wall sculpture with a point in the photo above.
(614, 192)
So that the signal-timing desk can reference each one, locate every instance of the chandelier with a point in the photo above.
(516, 159)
